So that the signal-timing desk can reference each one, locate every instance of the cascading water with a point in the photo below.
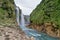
(29, 32)
(22, 24)
(17, 17)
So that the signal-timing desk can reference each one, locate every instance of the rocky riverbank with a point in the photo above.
(46, 28)
(13, 33)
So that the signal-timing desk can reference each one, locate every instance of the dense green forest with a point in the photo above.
(7, 14)
(48, 11)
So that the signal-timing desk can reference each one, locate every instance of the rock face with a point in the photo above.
(7, 33)
(46, 28)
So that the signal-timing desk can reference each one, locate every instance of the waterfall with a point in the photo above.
(22, 23)
(26, 10)
(17, 15)
(20, 18)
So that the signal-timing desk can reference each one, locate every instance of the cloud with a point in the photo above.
(27, 6)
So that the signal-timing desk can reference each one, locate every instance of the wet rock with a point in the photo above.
(32, 38)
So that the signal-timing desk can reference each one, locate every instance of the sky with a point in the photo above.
(27, 6)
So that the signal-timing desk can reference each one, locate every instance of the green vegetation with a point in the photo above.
(7, 15)
(47, 11)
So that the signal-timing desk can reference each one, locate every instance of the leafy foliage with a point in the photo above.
(47, 11)
(7, 5)
(7, 14)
